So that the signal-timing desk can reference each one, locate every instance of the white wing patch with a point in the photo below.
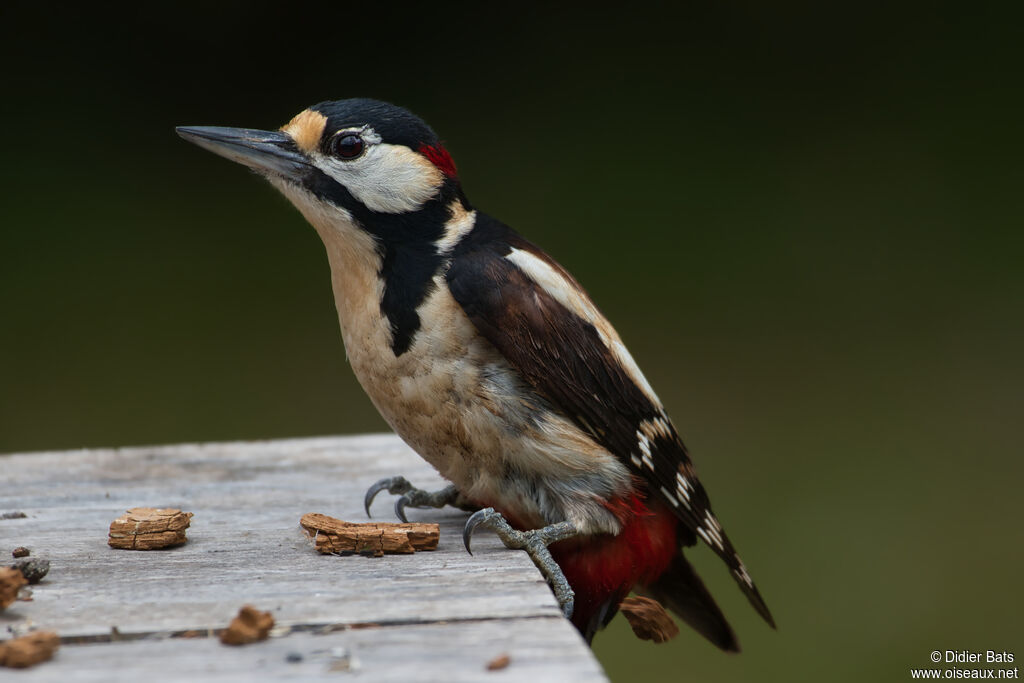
(622, 355)
(645, 450)
(669, 497)
(658, 427)
(572, 297)
(712, 531)
(683, 488)
(560, 289)
(741, 573)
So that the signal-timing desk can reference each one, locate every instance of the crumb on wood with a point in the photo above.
(249, 626)
(498, 663)
(648, 619)
(29, 650)
(191, 633)
(362, 624)
(342, 660)
(21, 551)
(373, 539)
(32, 568)
(11, 581)
(149, 529)
(13, 515)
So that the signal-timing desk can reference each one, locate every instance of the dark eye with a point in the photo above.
(348, 146)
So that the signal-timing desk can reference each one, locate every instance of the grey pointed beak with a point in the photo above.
(261, 150)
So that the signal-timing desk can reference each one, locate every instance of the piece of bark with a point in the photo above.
(498, 663)
(149, 529)
(28, 650)
(332, 535)
(11, 581)
(648, 619)
(249, 626)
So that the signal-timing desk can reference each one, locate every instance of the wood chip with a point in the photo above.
(249, 626)
(332, 535)
(19, 653)
(498, 663)
(11, 580)
(648, 619)
(21, 551)
(149, 529)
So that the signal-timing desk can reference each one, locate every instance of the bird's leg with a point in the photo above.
(414, 497)
(535, 542)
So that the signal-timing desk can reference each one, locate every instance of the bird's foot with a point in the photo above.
(535, 542)
(410, 496)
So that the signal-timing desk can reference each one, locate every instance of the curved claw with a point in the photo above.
(371, 493)
(475, 520)
(400, 504)
(390, 484)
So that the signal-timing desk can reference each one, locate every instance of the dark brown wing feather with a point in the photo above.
(563, 357)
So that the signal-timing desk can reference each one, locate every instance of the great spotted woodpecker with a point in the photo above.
(491, 362)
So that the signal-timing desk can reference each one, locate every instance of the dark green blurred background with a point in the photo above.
(805, 222)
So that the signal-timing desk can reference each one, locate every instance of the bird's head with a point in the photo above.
(359, 161)
(380, 189)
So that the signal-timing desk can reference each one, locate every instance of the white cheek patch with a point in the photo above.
(386, 178)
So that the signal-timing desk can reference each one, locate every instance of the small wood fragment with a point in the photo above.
(342, 660)
(648, 619)
(498, 663)
(250, 626)
(21, 551)
(11, 581)
(149, 529)
(29, 650)
(332, 535)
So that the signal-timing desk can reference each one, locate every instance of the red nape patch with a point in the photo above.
(440, 157)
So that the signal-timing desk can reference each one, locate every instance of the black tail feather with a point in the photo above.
(602, 617)
(682, 591)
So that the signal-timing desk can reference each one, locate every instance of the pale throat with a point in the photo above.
(354, 259)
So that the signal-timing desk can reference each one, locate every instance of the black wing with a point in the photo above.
(571, 361)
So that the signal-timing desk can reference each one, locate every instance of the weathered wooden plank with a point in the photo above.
(245, 546)
(452, 653)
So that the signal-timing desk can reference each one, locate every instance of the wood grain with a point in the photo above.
(246, 547)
